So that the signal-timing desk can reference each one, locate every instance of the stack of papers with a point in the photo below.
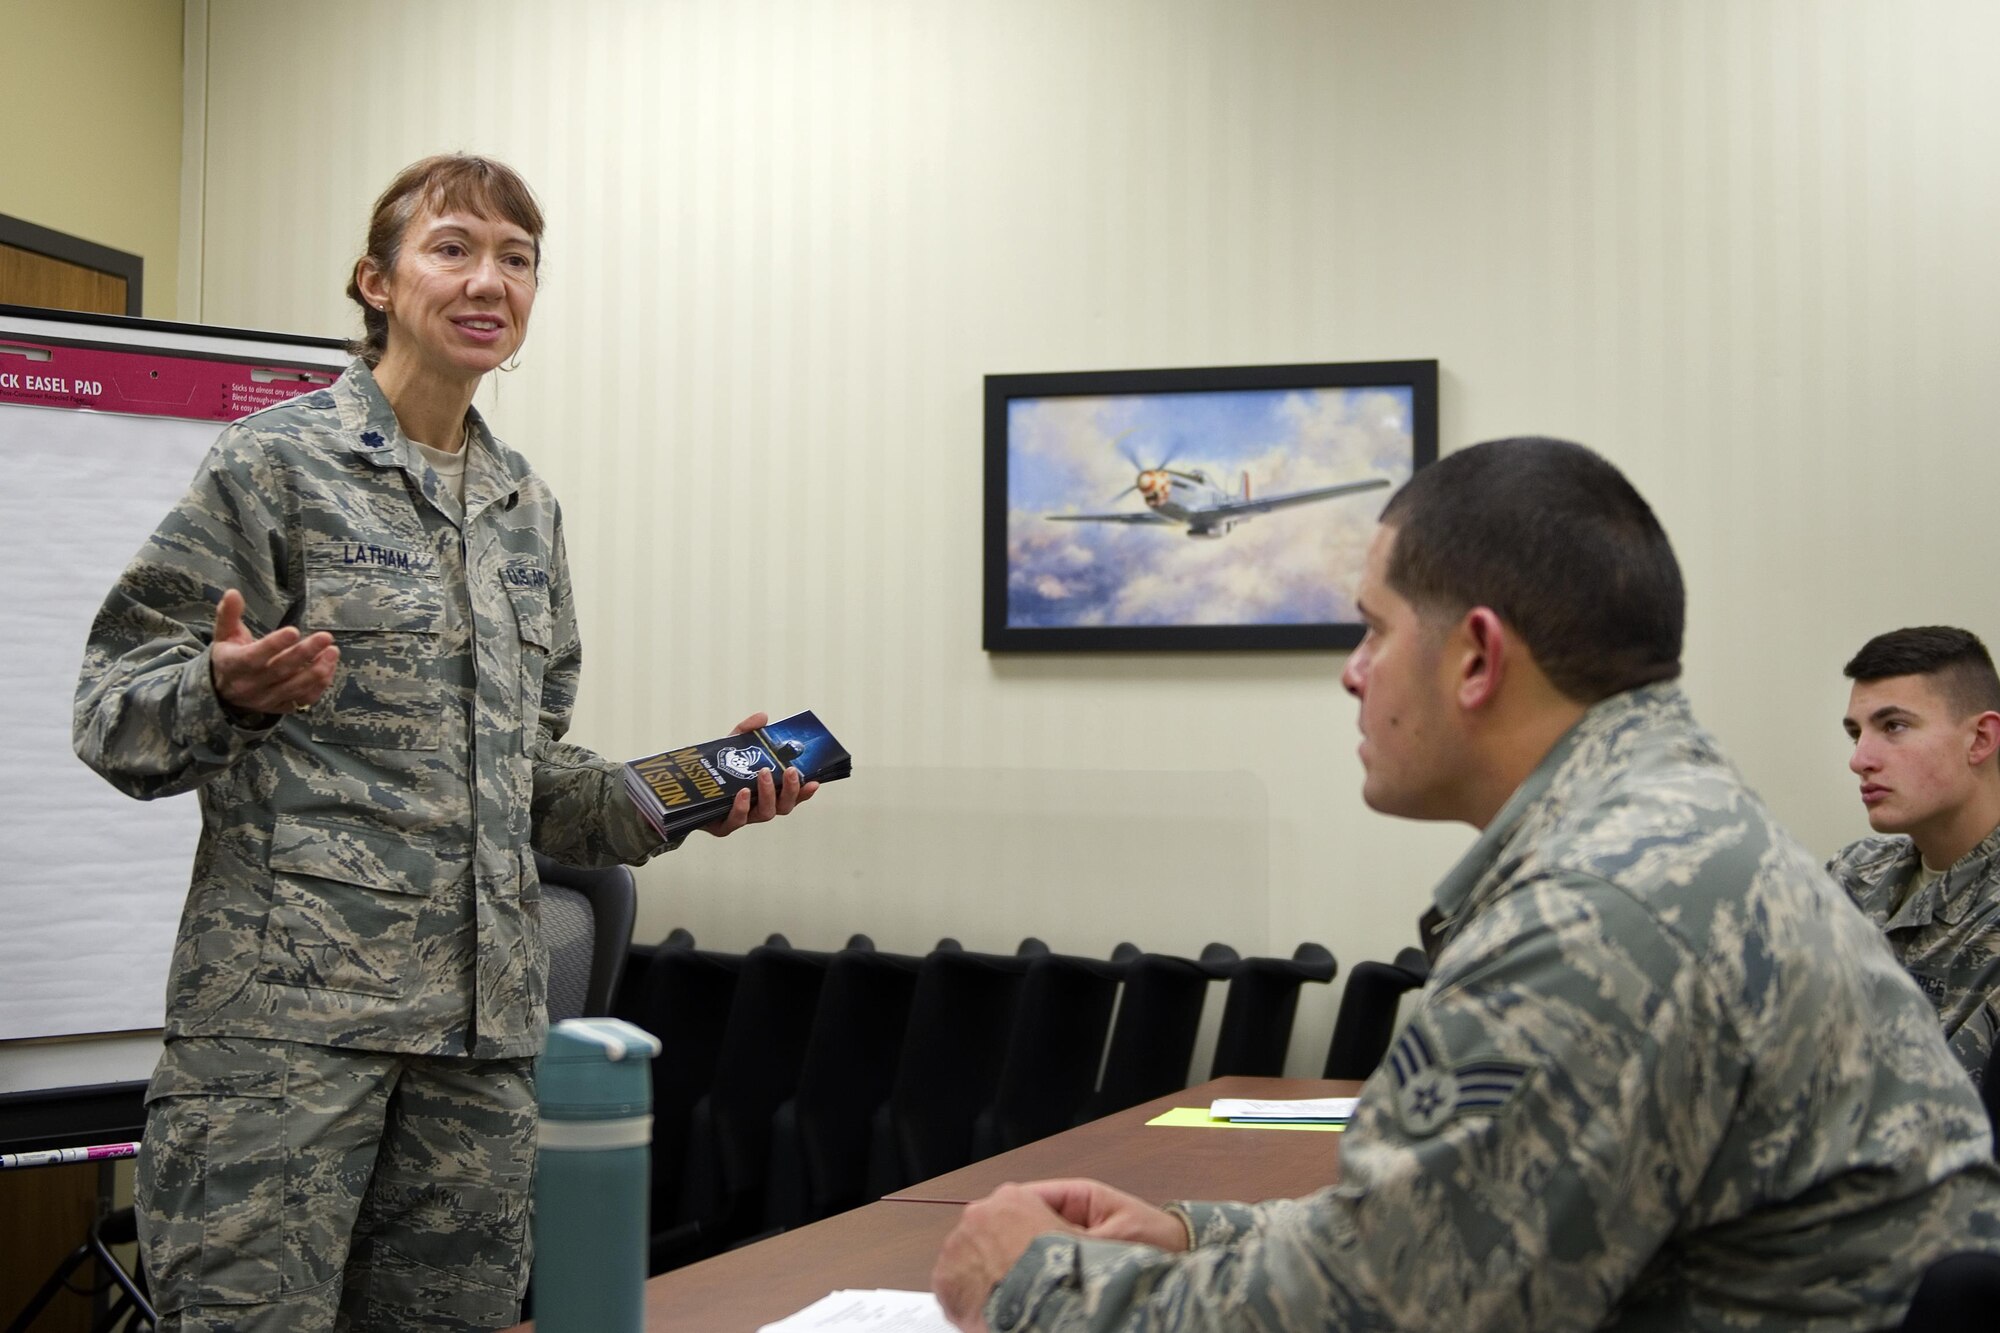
(868, 1312)
(1302, 1111)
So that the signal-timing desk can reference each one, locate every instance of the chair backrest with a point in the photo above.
(757, 1070)
(1959, 1294)
(1263, 999)
(949, 1068)
(819, 1138)
(569, 932)
(1368, 1008)
(628, 1001)
(1153, 1037)
(689, 993)
(587, 924)
(1054, 1050)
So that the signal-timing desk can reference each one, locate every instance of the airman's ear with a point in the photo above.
(1483, 657)
(1985, 738)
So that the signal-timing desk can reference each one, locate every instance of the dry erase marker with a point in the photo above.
(96, 1152)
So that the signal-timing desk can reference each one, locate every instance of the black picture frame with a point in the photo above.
(1068, 570)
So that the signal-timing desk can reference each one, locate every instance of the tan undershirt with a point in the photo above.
(1917, 883)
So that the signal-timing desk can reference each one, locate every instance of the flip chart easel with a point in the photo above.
(103, 421)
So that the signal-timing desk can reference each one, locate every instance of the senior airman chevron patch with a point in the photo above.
(1430, 1092)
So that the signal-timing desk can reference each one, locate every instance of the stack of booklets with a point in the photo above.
(683, 789)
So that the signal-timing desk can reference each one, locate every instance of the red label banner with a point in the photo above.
(144, 383)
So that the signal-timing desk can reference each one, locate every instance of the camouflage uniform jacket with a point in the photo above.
(1663, 1077)
(364, 877)
(1948, 936)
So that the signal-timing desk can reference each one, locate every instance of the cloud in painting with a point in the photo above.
(1295, 566)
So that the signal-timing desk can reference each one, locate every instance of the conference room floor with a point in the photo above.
(893, 1243)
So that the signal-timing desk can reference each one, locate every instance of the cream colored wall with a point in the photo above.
(1743, 247)
(92, 127)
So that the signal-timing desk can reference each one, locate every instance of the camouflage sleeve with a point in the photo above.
(580, 812)
(147, 716)
(1531, 1142)
(1864, 868)
(1841, 867)
(1972, 1044)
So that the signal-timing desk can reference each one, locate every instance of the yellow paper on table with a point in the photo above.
(1197, 1117)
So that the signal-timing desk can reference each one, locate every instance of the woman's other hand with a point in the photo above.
(281, 672)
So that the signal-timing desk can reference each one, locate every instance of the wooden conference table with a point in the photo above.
(894, 1242)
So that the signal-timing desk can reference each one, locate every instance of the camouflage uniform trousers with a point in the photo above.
(285, 1186)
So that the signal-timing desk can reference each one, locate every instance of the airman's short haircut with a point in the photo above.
(1556, 542)
(1956, 657)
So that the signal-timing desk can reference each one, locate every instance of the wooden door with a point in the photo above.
(27, 278)
(46, 268)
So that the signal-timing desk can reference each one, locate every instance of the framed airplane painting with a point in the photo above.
(1222, 508)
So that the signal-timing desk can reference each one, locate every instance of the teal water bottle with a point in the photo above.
(596, 1095)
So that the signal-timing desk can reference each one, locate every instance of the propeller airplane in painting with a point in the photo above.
(1186, 496)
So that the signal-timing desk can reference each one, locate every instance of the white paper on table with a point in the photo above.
(878, 1311)
(1299, 1108)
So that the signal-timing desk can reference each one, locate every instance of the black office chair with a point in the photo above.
(757, 1070)
(1368, 1008)
(1159, 1017)
(1959, 1294)
(1054, 1050)
(819, 1138)
(629, 1000)
(587, 925)
(1257, 1016)
(949, 1069)
(689, 992)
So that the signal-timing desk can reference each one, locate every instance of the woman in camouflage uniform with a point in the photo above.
(354, 638)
